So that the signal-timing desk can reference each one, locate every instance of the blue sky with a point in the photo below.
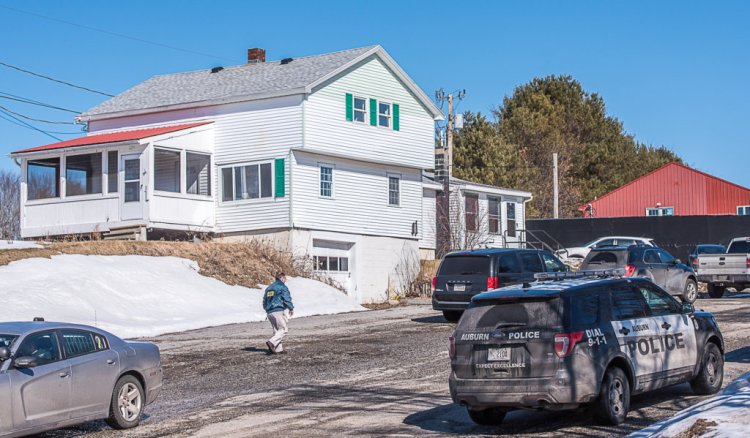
(674, 72)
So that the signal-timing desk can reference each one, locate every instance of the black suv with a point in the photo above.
(655, 264)
(590, 341)
(463, 274)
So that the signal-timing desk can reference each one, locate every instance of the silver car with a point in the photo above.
(54, 375)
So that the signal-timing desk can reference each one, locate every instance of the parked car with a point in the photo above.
(580, 252)
(656, 264)
(731, 269)
(54, 375)
(704, 249)
(463, 274)
(580, 342)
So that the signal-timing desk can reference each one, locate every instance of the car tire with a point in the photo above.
(715, 291)
(614, 397)
(711, 374)
(127, 403)
(487, 417)
(452, 315)
(690, 294)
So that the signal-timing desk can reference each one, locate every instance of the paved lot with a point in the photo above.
(368, 373)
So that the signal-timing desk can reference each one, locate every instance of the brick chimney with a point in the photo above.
(256, 55)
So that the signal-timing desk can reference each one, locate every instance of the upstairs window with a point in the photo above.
(253, 181)
(43, 178)
(360, 110)
(384, 114)
(743, 210)
(83, 174)
(167, 170)
(326, 181)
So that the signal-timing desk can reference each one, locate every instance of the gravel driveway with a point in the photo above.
(368, 373)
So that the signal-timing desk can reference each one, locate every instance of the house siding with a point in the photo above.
(359, 203)
(328, 131)
(428, 228)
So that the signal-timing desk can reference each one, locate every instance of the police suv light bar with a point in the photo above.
(619, 272)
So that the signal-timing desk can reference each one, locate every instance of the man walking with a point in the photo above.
(277, 302)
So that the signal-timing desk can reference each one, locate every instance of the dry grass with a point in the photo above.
(245, 264)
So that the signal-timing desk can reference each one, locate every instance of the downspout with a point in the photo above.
(531, 198)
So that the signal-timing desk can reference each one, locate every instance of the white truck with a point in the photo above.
(721, 271)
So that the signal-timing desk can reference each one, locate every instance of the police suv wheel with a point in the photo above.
(709, 378)
(691, 292)
(452, 315)
(487, 417)
(614, 397)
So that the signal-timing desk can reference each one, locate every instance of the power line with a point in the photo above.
(34, 119)
(9, 96)
(55, 80)
(26, 125)
(140, 40)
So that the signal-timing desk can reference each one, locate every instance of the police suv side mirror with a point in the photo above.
(688, 308)
(4, 354)
(25, 362)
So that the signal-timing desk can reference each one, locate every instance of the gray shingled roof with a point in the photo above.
(232, 82)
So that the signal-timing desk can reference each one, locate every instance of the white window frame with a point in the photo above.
(234, 201)
(389, 115)
(328, 263)
(660, 211)
(497, 214)
(210, 174)
(320, 180)
(355, 110)
(397, 176)
(743, 210)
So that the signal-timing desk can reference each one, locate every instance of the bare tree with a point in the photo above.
(10, 199)
(468, 220)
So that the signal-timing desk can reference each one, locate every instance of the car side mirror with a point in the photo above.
(4, 354)
(677, 262)
(688, 308)
(25, 362)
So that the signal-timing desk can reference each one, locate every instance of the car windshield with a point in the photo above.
(7, 340)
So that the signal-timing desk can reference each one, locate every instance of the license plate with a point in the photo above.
(499, 354)
(459, 287)
(722, 277)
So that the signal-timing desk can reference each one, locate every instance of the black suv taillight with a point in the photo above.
(452, 347)
(566, 342)
(434, 283)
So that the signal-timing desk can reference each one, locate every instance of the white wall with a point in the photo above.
(359, 203)
(428, 227)
(327, 130)
(494, 240)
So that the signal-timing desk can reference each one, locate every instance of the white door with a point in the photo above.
(131, 199)
(334, 260)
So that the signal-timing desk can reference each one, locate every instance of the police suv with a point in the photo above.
(582, 338)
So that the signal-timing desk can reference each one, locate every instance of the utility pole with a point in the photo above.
(555, 186)
(449, 140)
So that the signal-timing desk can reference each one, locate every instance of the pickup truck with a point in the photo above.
(721, 271)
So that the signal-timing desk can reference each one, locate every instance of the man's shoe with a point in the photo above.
(270, 347)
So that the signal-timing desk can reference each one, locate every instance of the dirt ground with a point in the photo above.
(375, 373)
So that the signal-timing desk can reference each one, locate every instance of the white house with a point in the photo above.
(321, 154)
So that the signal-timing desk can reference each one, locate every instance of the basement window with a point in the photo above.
(83, 174)
(43, 178)
(167, 170)
(331, 264)
(198, 174)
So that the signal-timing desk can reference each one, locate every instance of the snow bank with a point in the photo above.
(17, 244)
(134, 296)
(728, 410)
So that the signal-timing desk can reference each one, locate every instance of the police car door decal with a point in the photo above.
(638, 339)
(678, 335)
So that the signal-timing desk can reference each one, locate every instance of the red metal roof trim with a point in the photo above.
(674, 163)
(112, 137)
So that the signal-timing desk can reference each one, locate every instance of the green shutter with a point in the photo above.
(280, 181)
(396, 125)
(349, 107)
(373, 112)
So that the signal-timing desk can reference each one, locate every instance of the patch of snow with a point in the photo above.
(729, 410)
(18, 244)
(134, 296)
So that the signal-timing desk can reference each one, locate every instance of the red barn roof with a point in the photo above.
(112, 137)
(688, 191)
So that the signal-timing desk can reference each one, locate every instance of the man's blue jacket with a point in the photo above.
(277, 298)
